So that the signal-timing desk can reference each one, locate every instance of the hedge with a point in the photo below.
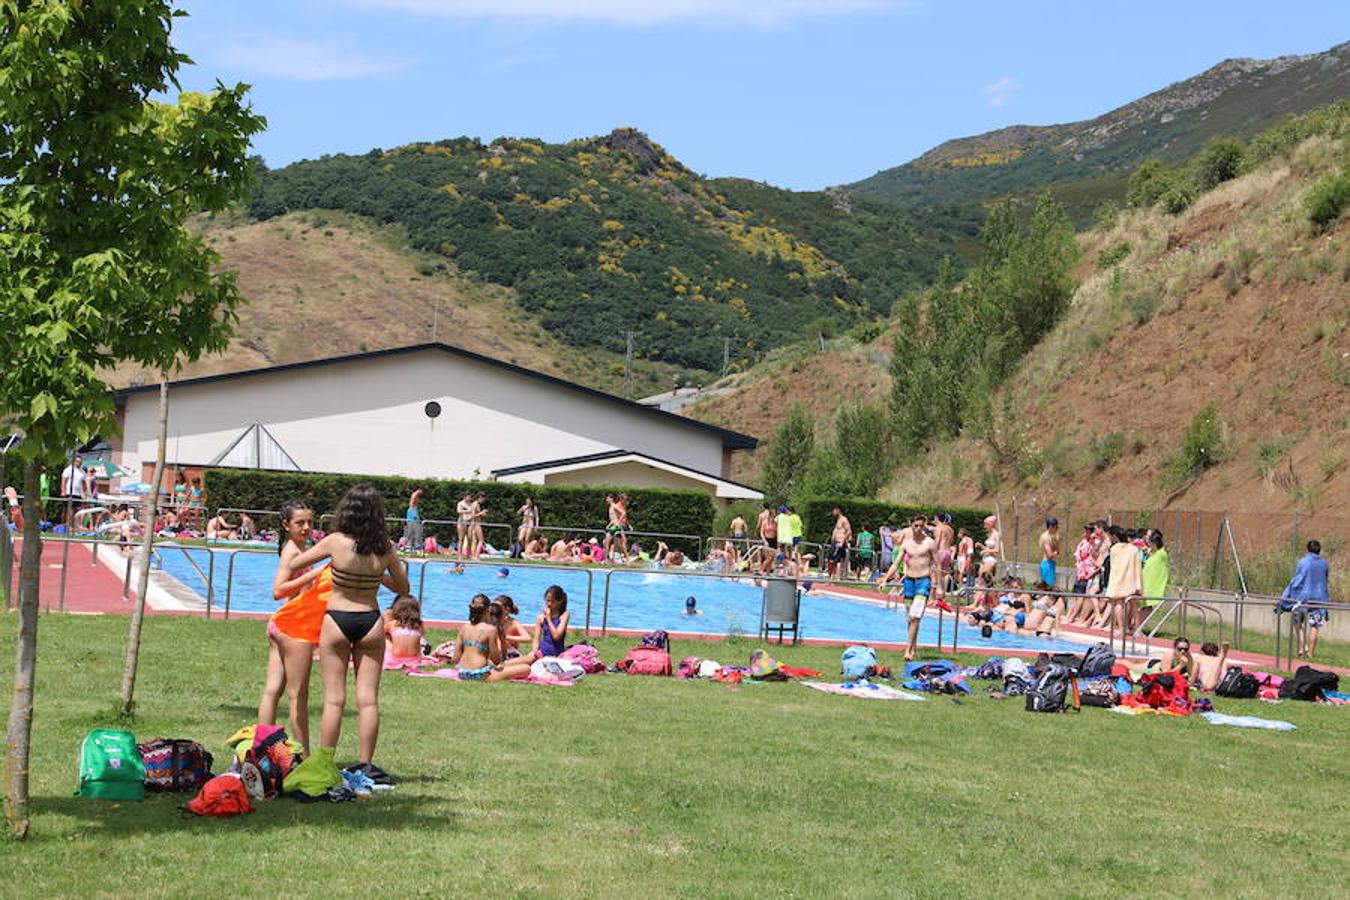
(816, 516)
(655, 510)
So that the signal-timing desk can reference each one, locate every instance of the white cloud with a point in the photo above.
(638, 12)
(1001, 91)
(298, 59)
(513, 60)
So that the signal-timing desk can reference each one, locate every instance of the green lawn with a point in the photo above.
(643, 786)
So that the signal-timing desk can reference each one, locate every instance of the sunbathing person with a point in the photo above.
(403, 630)
(1179, 658)
(1043, 617)
(479, 643)
(514, 635)
(218, 528)
(1210, 665)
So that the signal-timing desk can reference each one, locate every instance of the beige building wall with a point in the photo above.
(628, 474)
(366, 416)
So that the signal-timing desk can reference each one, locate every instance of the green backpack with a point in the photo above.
(110, 766)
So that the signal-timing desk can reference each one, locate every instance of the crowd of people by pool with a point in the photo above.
(1113, 577)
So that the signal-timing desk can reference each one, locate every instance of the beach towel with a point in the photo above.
(1215, 718)
(864, 689)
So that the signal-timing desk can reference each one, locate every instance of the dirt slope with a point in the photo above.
(1234, 302)
(324, 284)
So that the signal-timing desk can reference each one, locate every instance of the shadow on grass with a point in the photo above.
(390, 811)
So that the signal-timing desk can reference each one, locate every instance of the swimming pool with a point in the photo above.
(638, 599)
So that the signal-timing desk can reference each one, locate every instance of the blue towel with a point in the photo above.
(1214, 718)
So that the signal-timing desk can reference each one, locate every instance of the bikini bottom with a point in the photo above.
(354, 625)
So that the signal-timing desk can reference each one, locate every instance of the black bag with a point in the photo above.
(1309, 684)
(1237, 684)
(1096, 662)
(1073, 661)
(1050, 690)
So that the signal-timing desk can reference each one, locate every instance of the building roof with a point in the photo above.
(725, 488)
(732, 439)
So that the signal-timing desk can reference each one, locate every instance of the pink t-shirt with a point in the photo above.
(597, 554)
(1085, 556)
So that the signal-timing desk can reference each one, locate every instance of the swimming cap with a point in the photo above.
(503, 571)
(690, 602)
(990, 521)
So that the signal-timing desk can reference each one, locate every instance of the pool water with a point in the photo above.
(641, 600)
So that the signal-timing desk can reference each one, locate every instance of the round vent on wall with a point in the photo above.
(432, 409)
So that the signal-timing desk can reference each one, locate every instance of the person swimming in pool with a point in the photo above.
(352, 634)
(691, 607)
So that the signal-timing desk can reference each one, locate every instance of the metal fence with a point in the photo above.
(1239, 551)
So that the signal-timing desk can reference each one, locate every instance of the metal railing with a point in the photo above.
(573, 570)
(1217, 610)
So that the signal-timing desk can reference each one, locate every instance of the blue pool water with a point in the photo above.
(638, 599)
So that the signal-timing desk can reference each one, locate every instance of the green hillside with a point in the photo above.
(1086, 161)
(607, 235)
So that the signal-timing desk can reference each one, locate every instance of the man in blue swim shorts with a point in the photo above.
(919, 551)
(1049, 551)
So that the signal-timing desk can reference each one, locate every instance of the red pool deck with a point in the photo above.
(95, 589)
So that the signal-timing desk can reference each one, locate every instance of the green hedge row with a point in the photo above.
(668, 511)
(816, 516)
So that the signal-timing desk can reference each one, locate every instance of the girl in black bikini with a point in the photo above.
(353, 630)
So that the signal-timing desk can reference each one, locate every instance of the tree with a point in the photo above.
(856, 463)
(1221, 161)
(96, 268)
(790, 451)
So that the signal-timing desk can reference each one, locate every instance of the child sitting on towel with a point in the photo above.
(404, 630)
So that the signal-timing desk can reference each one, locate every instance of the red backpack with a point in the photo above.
(646, 661)
(222, 796)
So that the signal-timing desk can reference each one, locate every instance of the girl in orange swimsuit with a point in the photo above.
(293, 630)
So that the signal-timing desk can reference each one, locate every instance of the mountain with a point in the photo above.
(609, 235)
(1235, 311)
(1088, 161)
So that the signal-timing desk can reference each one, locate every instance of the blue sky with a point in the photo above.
(798, 93)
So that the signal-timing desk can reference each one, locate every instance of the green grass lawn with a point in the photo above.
(655, 787)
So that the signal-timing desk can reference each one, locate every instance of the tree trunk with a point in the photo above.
(20, 728)
(143, 582)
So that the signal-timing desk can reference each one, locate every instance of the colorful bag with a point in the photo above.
(110, 766)
(646, 661)
(689, 667)
(990, 669)
(1100, 692)
(585, 656)
(658, 639)
(220, 797)
(764, 667)
(175, 764)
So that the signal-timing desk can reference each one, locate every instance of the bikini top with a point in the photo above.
(400, 631)
(479, 644)
(357, 581)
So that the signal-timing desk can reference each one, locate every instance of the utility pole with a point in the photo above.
(628, 366)
(726, 355)
(435, 318)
